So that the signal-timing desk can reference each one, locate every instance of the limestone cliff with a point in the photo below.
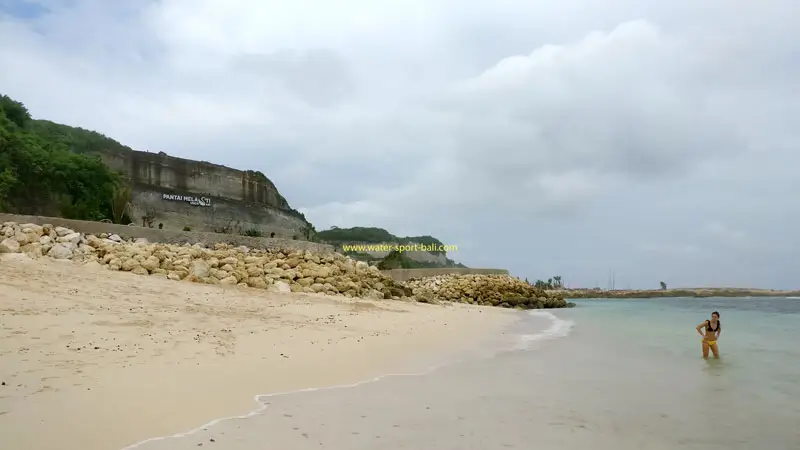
(178, 193)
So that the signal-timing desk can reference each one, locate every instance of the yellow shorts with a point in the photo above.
(710, 343)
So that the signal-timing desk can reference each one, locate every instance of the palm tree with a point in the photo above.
(663, 286)
(120, 202)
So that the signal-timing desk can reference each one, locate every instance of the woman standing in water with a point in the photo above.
(713, 328)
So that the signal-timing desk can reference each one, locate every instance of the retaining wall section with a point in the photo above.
(169, 236)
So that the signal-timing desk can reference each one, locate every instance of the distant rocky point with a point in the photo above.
(678, 292)
(378, 246)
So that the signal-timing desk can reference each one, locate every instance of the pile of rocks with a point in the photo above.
(277, 270)
(490, 290)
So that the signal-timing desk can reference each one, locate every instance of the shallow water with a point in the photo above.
(612, 374)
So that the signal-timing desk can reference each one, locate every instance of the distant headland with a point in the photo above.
(677, 292)
(375, 246)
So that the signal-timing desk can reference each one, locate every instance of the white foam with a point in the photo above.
(559, 328)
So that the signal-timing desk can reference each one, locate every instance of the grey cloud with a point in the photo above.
(321, 77)
(546, 137)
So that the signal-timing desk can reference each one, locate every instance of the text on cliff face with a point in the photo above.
(190, 199)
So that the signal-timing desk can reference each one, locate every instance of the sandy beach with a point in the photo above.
(93, 359)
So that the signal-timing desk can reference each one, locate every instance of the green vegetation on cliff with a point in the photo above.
(372, 235)
(76, 139)
(399, 260)
(43, 169)
(394, 260)
(406, 262)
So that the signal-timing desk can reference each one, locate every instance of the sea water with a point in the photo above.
(608, 374)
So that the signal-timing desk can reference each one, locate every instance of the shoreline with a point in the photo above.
(672, 293)
(237, 433)
(100, 360)
(263, 404)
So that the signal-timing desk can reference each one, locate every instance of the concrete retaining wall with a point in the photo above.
(168, 236)
(406, 274)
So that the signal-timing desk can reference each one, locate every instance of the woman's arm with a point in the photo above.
(700, 327)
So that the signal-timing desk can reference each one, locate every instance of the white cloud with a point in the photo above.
(550, 136)
(671, 250)
(724, 234)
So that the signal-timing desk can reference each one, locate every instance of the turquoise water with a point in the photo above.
(759, 345)
(749, 397)
(609, 374)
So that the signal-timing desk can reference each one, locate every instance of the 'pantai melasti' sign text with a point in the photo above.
(190, 199)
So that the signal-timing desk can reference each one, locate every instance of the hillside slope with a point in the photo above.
(52, 169)
(376, 245)
(42, 175)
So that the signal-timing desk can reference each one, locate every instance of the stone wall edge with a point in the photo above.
(169, 236)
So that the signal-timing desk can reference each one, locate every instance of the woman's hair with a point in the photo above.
(715, 312)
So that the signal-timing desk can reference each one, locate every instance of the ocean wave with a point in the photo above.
(559, 328)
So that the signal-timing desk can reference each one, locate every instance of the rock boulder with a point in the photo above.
(490, 290)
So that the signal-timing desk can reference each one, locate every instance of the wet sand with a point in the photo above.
(610, 375)
(99, 360)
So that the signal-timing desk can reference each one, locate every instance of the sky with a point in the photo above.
(648, 140)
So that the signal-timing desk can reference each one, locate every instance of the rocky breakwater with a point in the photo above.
(276, 270)
(490, 290)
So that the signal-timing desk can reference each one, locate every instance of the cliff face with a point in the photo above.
(177, 193)
(159, 170)
(180, 193)
(47, 168)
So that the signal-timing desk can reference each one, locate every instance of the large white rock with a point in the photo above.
(61, 251)
(9, 245)
(361, 267)
(61, 231)
(281, 287)
(72, 238)
(32, 228)
(200, 268)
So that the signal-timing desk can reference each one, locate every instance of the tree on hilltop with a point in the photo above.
(41, 174)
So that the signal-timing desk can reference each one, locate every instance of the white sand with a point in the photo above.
(98, 360)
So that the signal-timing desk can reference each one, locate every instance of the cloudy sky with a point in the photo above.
(653, 139)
